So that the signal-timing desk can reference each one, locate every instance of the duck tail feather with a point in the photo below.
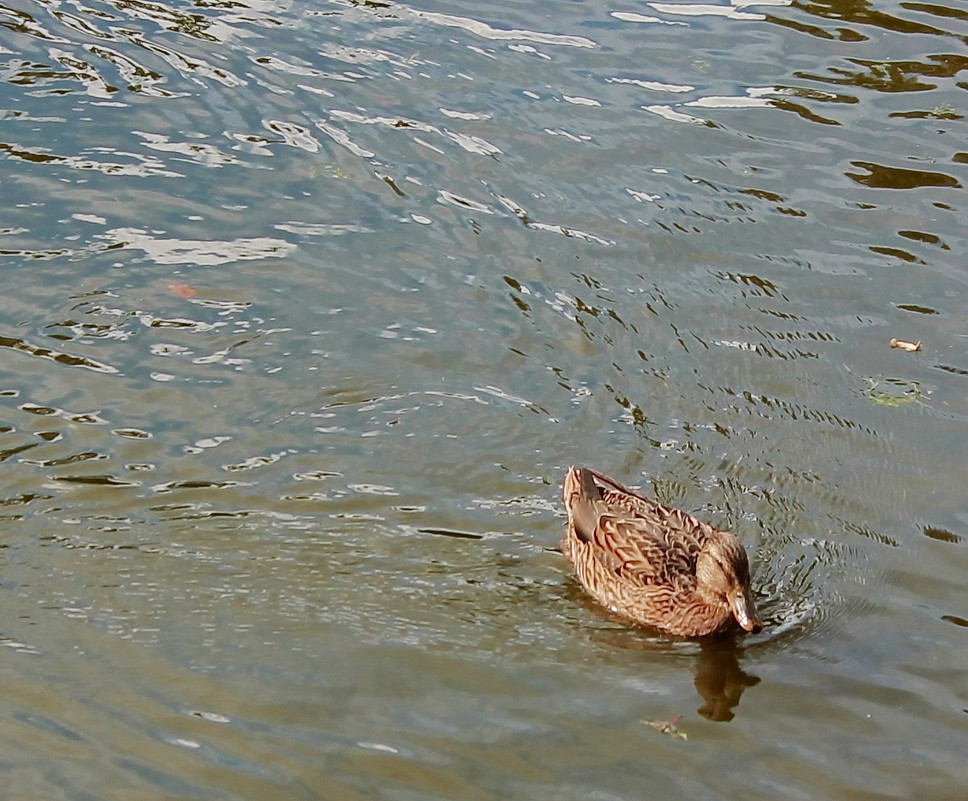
(586, 510)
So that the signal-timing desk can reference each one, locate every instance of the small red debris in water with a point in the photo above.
(183, 290)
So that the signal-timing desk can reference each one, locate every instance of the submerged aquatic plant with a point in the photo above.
(898, 392)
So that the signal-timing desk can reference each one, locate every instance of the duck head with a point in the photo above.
(723, 579)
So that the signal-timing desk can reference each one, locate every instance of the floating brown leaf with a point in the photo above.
(903, 344)
(668, 727)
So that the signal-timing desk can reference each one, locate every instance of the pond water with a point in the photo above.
(308, 307)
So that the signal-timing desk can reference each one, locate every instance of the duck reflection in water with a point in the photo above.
(719, 679)
(717, 675)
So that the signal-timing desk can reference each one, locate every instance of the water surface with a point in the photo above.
(308, 308)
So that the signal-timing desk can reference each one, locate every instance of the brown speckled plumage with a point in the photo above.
(652, 564)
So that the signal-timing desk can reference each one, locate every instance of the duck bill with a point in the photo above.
(745, 611)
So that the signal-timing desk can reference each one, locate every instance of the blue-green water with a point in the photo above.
(309, 306)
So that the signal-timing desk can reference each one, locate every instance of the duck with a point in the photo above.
(654, 565)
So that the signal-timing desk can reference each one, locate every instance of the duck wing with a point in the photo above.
(635, 537)
(648, 553)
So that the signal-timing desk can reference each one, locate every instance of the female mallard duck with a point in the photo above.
(652, 564)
